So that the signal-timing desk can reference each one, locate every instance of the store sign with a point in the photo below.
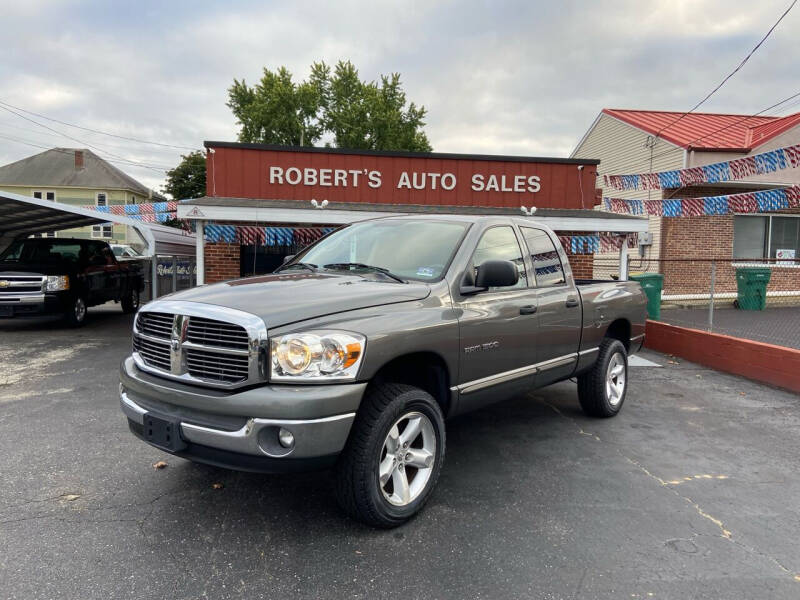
(166, 267)
(405, 180)
(785, 253)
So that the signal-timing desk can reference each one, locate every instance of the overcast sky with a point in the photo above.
(496, 77)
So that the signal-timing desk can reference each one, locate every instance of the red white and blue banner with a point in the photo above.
(303, 236)
(750, 202)
(153, 212)
(249, 235)
(729, 170)
(590, 244)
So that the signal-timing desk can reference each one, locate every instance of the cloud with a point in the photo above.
(496, 77)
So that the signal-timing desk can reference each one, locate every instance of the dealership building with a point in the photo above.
(264, 202)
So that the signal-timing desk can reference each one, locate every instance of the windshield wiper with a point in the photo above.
(355, 265)
(309, 266)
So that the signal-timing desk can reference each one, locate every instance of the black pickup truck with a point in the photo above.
(51, 276)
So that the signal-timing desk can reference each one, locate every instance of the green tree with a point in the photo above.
(331, 103)
(188, 179)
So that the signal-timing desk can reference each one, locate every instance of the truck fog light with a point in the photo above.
(286, 438)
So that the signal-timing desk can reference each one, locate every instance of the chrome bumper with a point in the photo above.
(259, 437)
(22, 298)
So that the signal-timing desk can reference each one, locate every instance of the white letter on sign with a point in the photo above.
(448, 181)
(404, 181)
(293, 173)
(275, 175)
(374, 179)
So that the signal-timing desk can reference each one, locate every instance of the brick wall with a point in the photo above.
(582, 264)
(222, 261)
(703, 238)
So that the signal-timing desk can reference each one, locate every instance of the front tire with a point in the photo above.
(393, 457)
(602, 390)
(76, 313)
(130, 302)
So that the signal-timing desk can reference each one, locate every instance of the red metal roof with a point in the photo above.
(707, 131)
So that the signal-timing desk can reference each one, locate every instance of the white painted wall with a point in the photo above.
(622, 149)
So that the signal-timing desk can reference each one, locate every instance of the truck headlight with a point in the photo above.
(316, 355)
(57, 283)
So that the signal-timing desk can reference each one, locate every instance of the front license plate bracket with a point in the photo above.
(163, 433)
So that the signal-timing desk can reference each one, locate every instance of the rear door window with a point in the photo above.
(547, 266)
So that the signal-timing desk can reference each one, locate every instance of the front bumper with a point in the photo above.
(30, 305)
(239, 430)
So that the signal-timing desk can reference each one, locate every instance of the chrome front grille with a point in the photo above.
(155, 354)
(199, 343)
(155, 324)
(16, 285)
(219, 334)
(217, 365)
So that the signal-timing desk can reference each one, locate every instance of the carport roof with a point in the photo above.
(21, 216)
(212, 208)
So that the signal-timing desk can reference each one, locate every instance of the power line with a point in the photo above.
(705, 135)
(732, 73)
(747, 118)
(62, 151)
(83, 143)
(98, 131)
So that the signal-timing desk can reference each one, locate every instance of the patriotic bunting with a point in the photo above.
(758, 164)
(589, 244)
(264, 236)
(750, 202)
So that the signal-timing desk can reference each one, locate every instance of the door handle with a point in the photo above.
(572, 302)
(527, 310)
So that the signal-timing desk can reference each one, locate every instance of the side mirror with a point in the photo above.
(287, 258)
(493, 273)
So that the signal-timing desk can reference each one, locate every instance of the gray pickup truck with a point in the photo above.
(355, 352)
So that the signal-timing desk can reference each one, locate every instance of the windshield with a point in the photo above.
(124, 251)
(41, 251)
(409, 249)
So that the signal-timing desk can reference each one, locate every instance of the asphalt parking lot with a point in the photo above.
(691, 492)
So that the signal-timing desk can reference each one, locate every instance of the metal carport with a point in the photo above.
(21, 216)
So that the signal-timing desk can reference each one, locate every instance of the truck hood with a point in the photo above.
(287, 298)
(33, 269)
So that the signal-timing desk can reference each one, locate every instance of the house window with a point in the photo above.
(102, 199)
(102, 231)
(766, 236)
(47, 195)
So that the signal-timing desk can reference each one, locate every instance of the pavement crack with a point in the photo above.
(724, 532)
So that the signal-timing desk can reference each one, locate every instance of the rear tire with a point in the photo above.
(602, 390)
(76, 313)
(393, 457)
(130, 302)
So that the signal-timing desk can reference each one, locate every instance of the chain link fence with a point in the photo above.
(756, 300)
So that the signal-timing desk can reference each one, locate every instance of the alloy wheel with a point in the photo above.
(406, 459)
(79, 309)
(615, 379)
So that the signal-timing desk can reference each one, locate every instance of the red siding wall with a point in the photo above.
(242, 172)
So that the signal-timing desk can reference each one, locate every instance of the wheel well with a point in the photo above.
(620, 330)
(425, 370)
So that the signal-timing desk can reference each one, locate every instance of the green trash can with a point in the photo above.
(652, 284)
(751, 283)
